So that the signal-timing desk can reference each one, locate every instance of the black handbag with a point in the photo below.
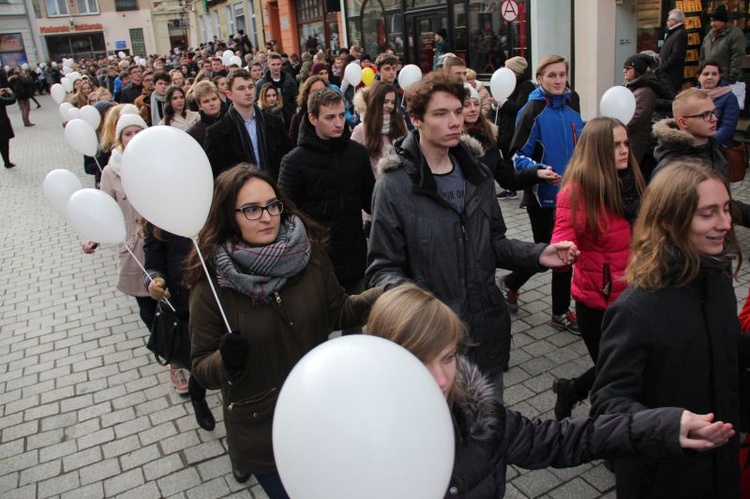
(169, 339)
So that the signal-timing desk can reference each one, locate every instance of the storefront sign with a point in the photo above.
(68, 29)
(11, 42)
(509, 10)
(121, 44)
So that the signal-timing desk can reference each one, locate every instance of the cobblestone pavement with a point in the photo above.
(84, 410)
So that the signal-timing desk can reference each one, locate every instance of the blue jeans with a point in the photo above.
(271, 483)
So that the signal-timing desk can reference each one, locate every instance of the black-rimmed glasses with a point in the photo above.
(706, 116)
(254, 212)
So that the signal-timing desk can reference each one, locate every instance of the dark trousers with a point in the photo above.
(590, 325)
(5, 150)
(272, 486)
(542, 224)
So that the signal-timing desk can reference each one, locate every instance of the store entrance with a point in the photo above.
(422, 37)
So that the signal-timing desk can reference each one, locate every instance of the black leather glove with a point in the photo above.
(234, 349)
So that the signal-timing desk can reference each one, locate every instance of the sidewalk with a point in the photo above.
(86, 412)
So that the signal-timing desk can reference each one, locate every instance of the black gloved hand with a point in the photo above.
(234, 349)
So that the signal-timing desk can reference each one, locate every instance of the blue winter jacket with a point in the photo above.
(547, 130)
(729, 115)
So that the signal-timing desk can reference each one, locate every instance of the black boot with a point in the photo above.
(239, 475)
(567, 397)
(203, 414)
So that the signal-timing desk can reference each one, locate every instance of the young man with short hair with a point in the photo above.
(217, 67)
(436, 222)
(143, 102)
(690, 134)
(284, 83)
(328, 176)
(156, 100)
(244, 134)
(130, 93)
(206, 95)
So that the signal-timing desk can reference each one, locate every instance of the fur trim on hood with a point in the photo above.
(476, 401)
(393, 161)
(668, 133)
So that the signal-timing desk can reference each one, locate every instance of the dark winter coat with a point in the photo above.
(674, 347)
(280, 333)
(672, 57)
(288, 91)
(129, 94)
(198, 129)
(727, 47)
(164, 256)
(646, 88)
(506, 117)
(331, 181)
(502, 170)
(489, 437)
(6, 128)
(675, 144)
(728, 109)
(418, 236)
(228, 143)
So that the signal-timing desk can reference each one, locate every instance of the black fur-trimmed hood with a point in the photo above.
(394, 160)
(476, 402)
(668, 133)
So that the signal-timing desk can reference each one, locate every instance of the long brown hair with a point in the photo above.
(221, 225)
(661, 238)
(374, 118)
(591, 177)
(418, 321)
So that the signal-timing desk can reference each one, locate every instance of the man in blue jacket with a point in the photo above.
(547, 129)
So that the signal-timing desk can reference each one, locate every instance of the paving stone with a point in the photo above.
(203, 452)
(81, 459)
(59, 484)
(126, 481)
(177, 482)
(40, 472)
(146, 455)
(157, 433)
(44, 439)
(162, 467)
(149, 490)
(215, 488)
(92, 491)
(179, 442)
(99, 471)
(121, 446)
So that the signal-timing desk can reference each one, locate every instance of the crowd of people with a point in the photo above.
(332, 199)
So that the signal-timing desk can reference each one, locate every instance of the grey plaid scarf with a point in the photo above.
(260, 271)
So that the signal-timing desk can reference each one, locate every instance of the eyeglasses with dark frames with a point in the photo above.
(254, 212)
(706, 116)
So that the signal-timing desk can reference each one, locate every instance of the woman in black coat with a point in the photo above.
(489, 437)
(6, 129)
(165, 254)
(672, 337)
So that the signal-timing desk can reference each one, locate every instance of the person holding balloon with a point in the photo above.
(489, 436)
(130, 279)
(278, 293)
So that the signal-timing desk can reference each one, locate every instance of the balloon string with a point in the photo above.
(147, 274)
(211, 283)
(101, 170)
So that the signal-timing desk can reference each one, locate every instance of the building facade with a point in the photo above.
(218, 19)
(17, 41)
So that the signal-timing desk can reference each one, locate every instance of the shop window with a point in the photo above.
(137, 42)
(230, 19)
(311, 27)
(56, 8)
(373, 28)
(122, 5)
(88, 7)
(481, 32)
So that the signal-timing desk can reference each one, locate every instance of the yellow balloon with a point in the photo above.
(368, 76)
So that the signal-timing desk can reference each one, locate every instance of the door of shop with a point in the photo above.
(422, 37)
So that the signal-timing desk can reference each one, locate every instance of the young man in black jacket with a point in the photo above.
(328, 176)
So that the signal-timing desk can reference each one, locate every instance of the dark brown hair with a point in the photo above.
(323, 97)
(373, 122)
(419, 95)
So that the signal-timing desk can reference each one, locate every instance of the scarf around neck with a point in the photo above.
(717, 92)
(157, 108)
(260, 271)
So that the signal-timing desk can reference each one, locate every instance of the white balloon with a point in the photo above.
(58, 186)
(25, 66)
(173, 191)
(65, 70)
(235, 59)
(57, 92)
(111, 57)
(75, 75)
(226, 56)
(409, 75)
(142, 63)
(54, 64)
(618, 102)
(64, 108)
(96, 216)
(91, 115)
(81, 136)
(67, 83)
(6, 68)
(68, 63)
(74, 114)
(502, 83)
(353, 74)
(43, 65)
(121, 55)
(359, 416)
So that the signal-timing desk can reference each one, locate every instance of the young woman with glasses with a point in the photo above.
(281, 298)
